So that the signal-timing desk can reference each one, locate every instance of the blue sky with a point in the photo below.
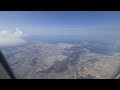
(58, 18)
(83, 23)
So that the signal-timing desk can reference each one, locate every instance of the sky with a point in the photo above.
(86, 24)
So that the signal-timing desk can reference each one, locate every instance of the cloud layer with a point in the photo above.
(8, 38)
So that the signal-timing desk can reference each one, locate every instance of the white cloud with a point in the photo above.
(9, 38)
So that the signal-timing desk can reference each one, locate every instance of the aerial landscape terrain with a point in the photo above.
(84, 60)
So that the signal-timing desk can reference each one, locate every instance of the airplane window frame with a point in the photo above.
(6, 66)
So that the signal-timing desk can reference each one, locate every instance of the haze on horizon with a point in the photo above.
(84, 24)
